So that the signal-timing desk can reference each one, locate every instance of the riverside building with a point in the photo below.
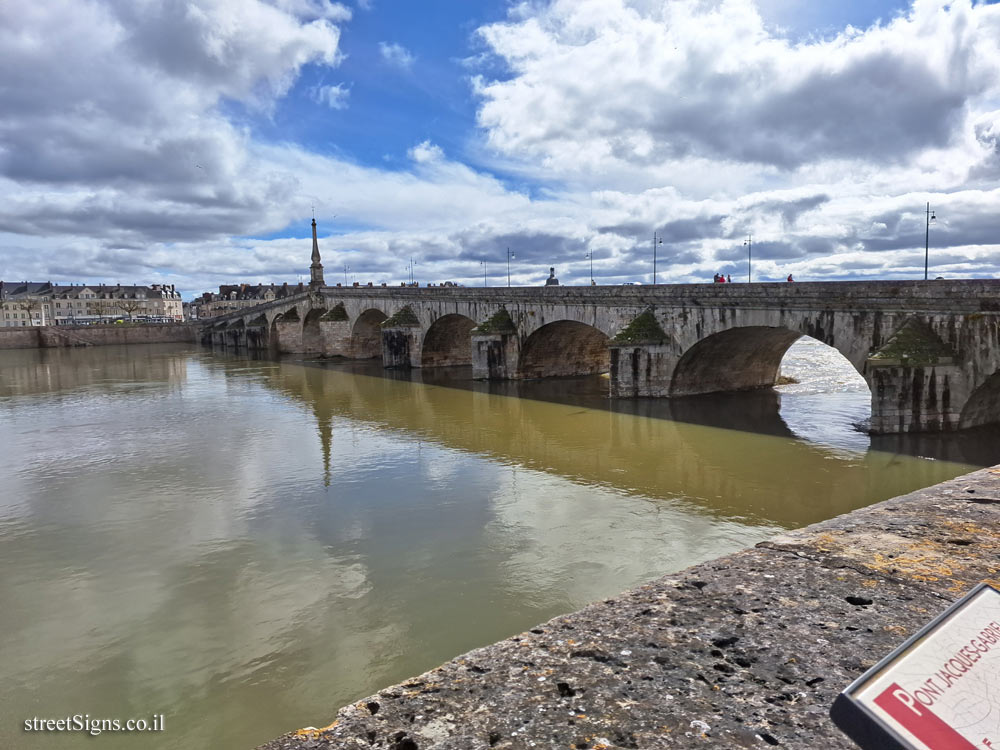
(28, 303)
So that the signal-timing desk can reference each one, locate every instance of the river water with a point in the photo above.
(245, 545)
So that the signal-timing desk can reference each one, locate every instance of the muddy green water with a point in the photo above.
(243, 546)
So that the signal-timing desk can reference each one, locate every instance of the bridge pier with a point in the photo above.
(236, 336)
(494, 356)
(401, 347)
(915, 399)
(335, 332)
(336, 337)
(496, 348)
(402, 340)
(641, 370)
(256, 338)
(288, 328)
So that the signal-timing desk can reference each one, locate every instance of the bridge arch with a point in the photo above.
(366, 334)
(312, 336)
(983, 405)
(734, 359)
(448, 342)
(564, 347)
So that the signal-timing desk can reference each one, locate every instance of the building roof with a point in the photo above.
(13, 290)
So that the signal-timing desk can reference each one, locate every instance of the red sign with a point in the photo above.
(939, 691)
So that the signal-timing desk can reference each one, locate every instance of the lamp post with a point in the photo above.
(748, 243)
(927, 237)
(591, 256)
(346, 269)
(509, 256)
(654, 255)
(483, 264)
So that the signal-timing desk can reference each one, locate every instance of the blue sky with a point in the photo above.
(191, 142)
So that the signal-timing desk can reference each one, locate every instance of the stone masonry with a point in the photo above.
(930, 351)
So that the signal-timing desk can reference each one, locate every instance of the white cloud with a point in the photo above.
(332, 11)
(598, 86)
(396, 54)
(335, 97)
(691, 118)
(120, 137)
(426, 152)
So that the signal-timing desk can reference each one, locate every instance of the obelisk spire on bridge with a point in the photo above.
(316, 269)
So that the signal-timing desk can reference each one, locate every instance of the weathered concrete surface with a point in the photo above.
(747, 651)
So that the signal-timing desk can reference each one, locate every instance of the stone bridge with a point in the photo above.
(929, 350)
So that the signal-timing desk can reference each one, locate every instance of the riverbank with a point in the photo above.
(47, 337)
(746, 651)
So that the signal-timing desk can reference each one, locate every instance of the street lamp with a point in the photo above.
(748, 243)
(654, 255)
(591, 256)
(927, 236)
(509, 256)
(483, 264)
(346, 269)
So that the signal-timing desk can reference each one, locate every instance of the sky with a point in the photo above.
(190, 142)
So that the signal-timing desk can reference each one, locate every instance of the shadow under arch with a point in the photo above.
(562, 348)
(312, 337)
(448, 342)
(366, 334)
(983, 406)
(737, 359)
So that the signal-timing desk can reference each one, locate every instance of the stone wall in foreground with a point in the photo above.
(748, 651)
(60, 336)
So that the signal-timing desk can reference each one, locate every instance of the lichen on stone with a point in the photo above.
(644, 329)
(499, 322)
(916, 345)
(335, 314)
(404, 317)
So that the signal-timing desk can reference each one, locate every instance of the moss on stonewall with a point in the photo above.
(291, 316)
(644, 329)
(404, 317)
(500, 322)
(335, 314)
(914, 345)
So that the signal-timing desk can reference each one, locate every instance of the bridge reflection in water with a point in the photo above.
(726, 455)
